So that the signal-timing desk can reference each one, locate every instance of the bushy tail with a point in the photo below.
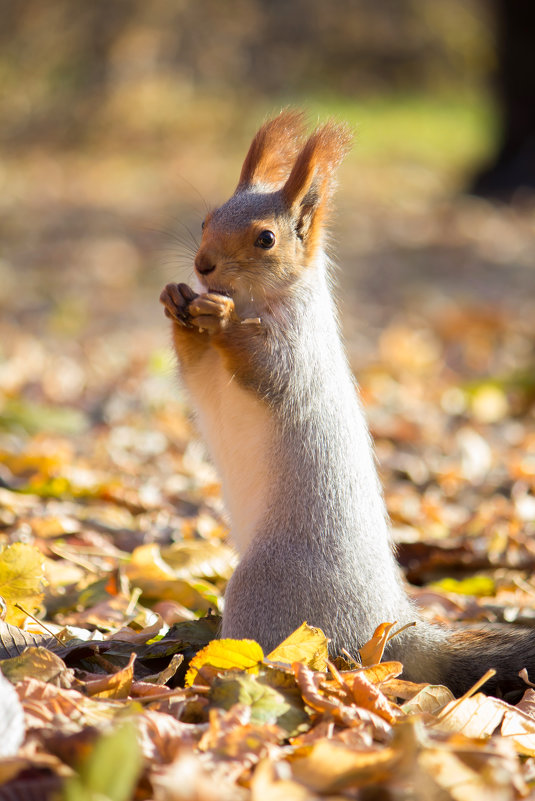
(459, 657)
(470, 652)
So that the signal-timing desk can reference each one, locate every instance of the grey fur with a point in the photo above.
(322, 552)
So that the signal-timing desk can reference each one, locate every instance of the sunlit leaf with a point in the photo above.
(332, 766)
(306, 644)
(38, 663)
(475, 585)
(226, 654)
(430, 699)
(371, 652)
(21, 579)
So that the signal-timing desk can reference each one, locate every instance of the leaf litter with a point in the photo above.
(114, 557)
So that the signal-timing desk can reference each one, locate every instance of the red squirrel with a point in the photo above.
(260, 353)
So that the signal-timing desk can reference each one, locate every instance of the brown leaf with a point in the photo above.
(162, 737)
(45, 705)
(270, 783)
(331, 766)
(38, 663)
(115, 685)
(370, 697)
(14, 640)
(344, 714)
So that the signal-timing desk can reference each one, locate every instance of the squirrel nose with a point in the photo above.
(204, 264)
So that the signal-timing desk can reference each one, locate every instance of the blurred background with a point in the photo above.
(121, 122)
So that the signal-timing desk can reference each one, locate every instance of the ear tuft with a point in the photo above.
(311, 182)
(317, 161)
(273, 150)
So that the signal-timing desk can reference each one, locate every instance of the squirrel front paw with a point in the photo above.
(212, 312)
(176, 299)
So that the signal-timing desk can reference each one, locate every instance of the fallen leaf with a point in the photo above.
(331, 766)
(371, 652)
(271, 697)
(21, 580)
(306, 644)
(115, 685)
(37, 663)
(45, 705)
(14, 640)
(430, 700)
(111, 769)
(477, 716)
(370, 697)
(224, 655)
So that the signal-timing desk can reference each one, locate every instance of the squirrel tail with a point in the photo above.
(458, 658)
(470, 652)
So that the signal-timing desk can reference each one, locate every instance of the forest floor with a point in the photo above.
(111, 519)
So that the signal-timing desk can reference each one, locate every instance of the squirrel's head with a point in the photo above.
(272, 227)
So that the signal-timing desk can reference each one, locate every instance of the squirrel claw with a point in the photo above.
(176, 299)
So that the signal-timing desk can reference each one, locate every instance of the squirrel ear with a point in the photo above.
(311, 183)
(273, 150)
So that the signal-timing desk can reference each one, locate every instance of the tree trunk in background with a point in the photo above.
(513, 169)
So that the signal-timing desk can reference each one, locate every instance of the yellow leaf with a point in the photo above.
(21, 580)
(225, 655)
(306, 644)
(482, 586)
(379, 673)
(371, 652)
(157, 579)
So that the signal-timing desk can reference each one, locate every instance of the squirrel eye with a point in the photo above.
(203, 224)
(265, 240)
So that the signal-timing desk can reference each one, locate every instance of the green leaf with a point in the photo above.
(34, 417)
(272, 696)
(111, 771)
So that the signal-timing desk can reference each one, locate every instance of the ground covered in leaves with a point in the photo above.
(115, 557)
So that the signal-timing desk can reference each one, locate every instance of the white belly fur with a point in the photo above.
(238, 431)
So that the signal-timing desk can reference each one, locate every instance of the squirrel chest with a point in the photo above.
(239, 429)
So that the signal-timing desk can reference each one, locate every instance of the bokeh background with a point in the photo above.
(122, 122)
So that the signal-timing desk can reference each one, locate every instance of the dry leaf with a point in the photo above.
(21, 580)
(45, 705)
(370, 697)
(306, 644)
(430, 700)
(38, 663)
(371, 652)
(331, 766)
(224, 655)
(14, 640)
(478, 716)
(115, 685)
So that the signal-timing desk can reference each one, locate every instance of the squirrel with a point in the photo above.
(261, 356)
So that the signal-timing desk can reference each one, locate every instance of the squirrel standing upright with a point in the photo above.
(261, 356)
